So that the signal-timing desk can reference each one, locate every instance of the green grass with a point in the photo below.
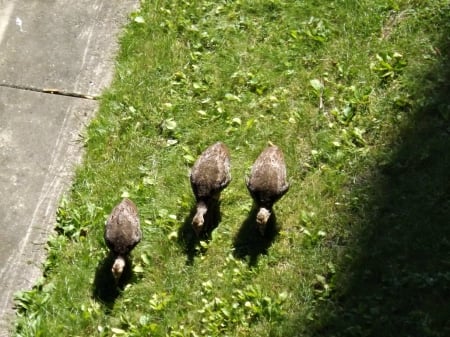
(356, 95)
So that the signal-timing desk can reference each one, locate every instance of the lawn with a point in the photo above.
(355, 93)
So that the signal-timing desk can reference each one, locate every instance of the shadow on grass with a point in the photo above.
(187, 239)
(399, 281)
(249, 244)
(105, 288)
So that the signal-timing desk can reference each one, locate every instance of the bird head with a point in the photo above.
(261, 219)
(198, 221)
(117, 268)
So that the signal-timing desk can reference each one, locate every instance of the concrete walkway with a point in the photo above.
(68, 47)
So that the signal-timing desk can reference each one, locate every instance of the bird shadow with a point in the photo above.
(249, 243)
(187, 238)
(105, 287)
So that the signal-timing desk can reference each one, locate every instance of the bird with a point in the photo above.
(122, 234)
(267, 183)
(209, 175)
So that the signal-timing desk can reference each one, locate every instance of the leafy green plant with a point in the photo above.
(388, 65)
(74, 223)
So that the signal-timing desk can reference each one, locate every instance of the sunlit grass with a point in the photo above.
(330, 82)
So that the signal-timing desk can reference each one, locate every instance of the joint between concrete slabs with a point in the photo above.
(49, 91)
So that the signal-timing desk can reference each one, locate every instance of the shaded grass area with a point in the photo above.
(354, 92)
(398, 280)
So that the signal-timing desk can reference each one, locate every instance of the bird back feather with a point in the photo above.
(122, 230)
(267, 182)
(210, 174)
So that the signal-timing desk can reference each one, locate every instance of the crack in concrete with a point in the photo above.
(51, 91)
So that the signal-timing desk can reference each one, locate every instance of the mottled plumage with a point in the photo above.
(267, 183)
(122, 233)
(209, 176)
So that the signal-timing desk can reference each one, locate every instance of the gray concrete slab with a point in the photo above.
(39, 145)
(59, 44)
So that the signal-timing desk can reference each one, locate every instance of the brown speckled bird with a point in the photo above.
(122, 234)
(267, 183)
(209, 176)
